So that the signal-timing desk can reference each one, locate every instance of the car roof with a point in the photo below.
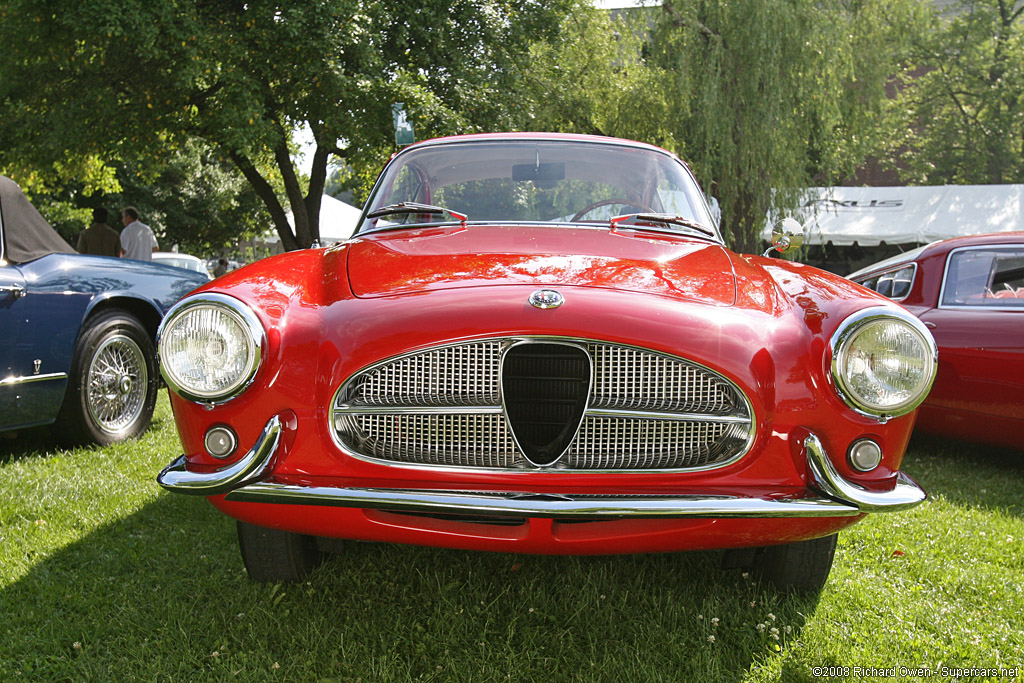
(940, 247)
(890, 262)
(976, 240)
(527, 136)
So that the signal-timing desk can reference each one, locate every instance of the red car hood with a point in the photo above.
(414, 261)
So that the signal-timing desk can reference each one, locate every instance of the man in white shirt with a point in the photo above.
(137, 240)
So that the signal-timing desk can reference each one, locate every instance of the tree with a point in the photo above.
(592, 78)
(770, 97)
(124, 78)
(200, 202)
(963, 97)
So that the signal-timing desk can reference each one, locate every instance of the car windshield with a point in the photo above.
(534, 181)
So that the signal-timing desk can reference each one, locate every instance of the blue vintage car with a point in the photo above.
(77, 332)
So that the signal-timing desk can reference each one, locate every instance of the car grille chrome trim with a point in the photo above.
(442, 407)
(464, 374)
(452, 439)
(644, 444)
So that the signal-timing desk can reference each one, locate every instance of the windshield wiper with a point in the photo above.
(413, 207)
(662, 219)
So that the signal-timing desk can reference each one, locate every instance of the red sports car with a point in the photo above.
(969, 291)
(539, 343)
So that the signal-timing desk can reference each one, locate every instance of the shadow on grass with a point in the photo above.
(161, 595)
(972, 475)
(38, 442)
(25, 443)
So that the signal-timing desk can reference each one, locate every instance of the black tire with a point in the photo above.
(271, 555)
(801, 567)
(113, 382)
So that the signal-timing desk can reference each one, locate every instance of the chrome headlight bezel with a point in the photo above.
(238, 313)
(844, 337)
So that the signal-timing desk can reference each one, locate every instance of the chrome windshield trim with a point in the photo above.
(250, 467)
(559, 506)
(26, 379)
(905, 494)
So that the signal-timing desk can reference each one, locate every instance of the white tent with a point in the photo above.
(338, 221)
(900, 215)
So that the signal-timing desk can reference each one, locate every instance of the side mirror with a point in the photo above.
(787, 234)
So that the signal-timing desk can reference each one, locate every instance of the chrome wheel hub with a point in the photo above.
(116, 384)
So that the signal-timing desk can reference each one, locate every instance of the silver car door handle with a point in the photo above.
(17, 290)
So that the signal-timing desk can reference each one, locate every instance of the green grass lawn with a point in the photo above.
(103, 576)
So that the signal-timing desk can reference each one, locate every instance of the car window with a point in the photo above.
(535, 181)
(894, 284)
(986, 276)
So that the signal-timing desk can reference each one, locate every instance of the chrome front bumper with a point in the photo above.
(829, 496)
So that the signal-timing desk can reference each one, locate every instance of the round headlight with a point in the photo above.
(210, 348)
(883, 362)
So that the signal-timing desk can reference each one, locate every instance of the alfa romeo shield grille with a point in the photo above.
(525, 404)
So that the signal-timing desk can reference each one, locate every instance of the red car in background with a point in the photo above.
(969, 291)
(540, 343)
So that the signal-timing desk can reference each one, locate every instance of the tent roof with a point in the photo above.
(901, 215)
(338, 221)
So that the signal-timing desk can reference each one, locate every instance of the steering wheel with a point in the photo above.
(609, 202)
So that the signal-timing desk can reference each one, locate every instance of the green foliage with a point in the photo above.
(774, 96)
(138, 78)
(592, 78)
(962, 98)
(761, 98)
(191, 199)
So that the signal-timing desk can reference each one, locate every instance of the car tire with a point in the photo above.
(272, 555)
(113, 382)
(801, 567)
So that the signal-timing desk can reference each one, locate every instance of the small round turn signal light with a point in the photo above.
(865, 455)
(220, 441)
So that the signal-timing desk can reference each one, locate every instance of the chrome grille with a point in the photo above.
(631, 444)
(443, 407)
(466, 374)
(456, 440)
(634, 379)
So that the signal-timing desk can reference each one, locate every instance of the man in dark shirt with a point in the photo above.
(99, 238)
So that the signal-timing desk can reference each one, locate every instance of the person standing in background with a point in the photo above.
(99, 239)
(137, 240)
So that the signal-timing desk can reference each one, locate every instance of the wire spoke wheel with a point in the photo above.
(116, 383)
(112, 386)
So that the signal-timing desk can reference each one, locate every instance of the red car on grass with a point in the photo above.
(969, 291)
(540, 343)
